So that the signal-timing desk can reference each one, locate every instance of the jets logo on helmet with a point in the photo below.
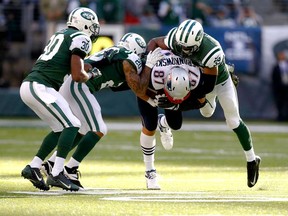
(177, 85)
(133, 42)
(188, 37)
(140, 42)
(87, 15)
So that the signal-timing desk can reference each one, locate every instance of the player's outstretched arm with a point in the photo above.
(156, 42)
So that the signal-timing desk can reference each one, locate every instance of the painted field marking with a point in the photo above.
(186, 199)
(158, 196)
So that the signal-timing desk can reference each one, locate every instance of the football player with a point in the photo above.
(176, 78)
(64, 54)
(189, 40)
(118, 65)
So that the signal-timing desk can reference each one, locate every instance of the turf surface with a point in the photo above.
(204, 174)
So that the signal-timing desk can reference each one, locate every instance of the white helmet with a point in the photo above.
(188, 37)
(133, 42)
(85, 20)
(177, 85)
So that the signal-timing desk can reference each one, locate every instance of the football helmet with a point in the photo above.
(188, 37)
(133, 42)
(177, 85)
(85, 20)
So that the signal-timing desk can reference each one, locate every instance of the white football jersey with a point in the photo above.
(163, 66)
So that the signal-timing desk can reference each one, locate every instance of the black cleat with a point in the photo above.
(35, 177)
(47, 167)
(253, 171)
(61, 181)
(73, 174)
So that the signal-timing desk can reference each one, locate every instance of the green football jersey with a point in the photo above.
(109, 62)
(55, 62)
(210, 54)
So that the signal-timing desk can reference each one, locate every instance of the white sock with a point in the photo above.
(36, 162)
(148, 142)
(58, 166)
(250, 155)
(53, 157)
(73, 163)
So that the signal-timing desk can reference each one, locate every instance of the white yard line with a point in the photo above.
(159, 196)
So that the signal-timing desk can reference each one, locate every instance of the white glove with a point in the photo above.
(153, 57)
(153, 103)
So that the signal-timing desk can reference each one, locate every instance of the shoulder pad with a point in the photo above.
(136, 61)
(81, 42)
(214, 57)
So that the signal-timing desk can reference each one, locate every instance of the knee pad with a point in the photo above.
(208, 110)
(233, 123)
(104, 129)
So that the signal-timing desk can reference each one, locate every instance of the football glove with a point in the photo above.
(153, 57)
(164, 103)
(94, 73)
(191, 104)
(235, 78)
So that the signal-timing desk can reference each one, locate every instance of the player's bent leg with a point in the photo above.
(209, 108)
(229, 102)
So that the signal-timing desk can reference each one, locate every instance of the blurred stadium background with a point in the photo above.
(250, 32)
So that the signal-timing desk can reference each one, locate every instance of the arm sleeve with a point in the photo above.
(207, 84)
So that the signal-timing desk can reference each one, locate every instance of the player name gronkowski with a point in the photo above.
(174, 61)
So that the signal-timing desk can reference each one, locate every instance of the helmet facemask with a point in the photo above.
(95, 30)
(184, 51)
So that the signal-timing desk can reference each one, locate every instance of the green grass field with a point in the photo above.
(204, 174)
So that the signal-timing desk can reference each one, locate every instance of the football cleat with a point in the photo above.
(61, 181)
(253, 171)
(166, 135)
(35, 177)
(151, 180)
(47, 167)
(73, 174)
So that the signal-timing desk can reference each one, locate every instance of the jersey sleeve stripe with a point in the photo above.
(210, 54)
(77, 34)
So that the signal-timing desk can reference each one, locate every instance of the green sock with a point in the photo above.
(65, 141)
(48, 144)
(244, 136)
(85, 145)
(76, 140)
